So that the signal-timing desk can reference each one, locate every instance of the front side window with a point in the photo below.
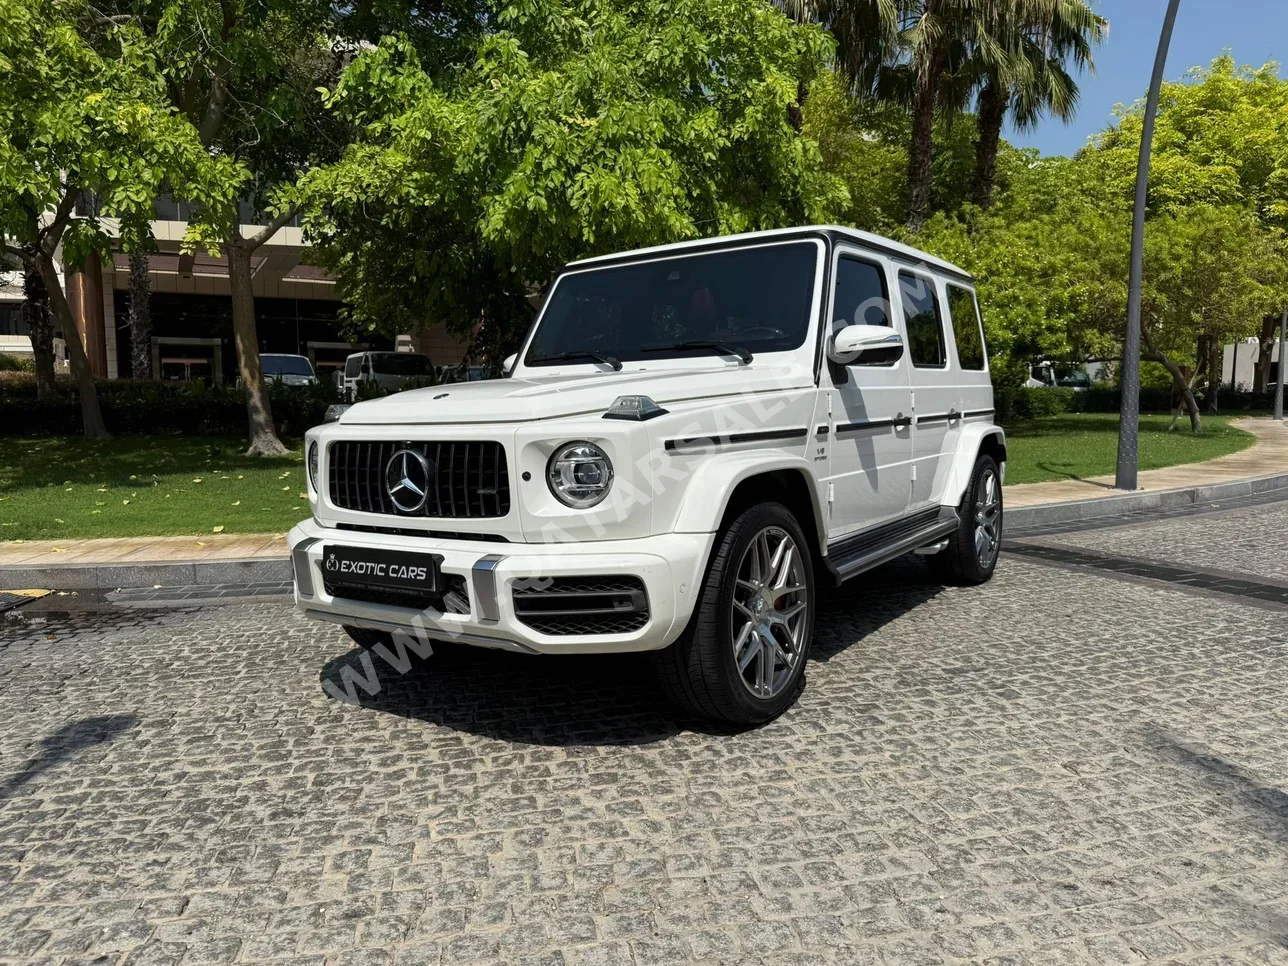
(758, 299)
(964, 313)
(922, 319)
(861, 296)
(352, 366)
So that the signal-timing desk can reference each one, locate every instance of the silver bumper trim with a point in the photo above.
(481, 640)
(300, 564)
(483, 578)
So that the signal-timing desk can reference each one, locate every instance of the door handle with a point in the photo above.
(953, 415)
(901, 421)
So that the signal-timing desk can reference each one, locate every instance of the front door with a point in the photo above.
(868, 409)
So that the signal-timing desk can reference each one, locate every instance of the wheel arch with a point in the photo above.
(748, 479)
(987, 438)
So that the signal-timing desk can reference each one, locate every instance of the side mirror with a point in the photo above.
(508, 362)
(865, 344)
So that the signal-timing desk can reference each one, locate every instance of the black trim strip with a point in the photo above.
(939, 418)
(899, 422)
(979, 412)
(761, 436)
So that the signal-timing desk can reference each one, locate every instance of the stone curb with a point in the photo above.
(111, 576)
(73, 576)
(1078, 511)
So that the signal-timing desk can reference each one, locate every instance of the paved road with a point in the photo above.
(1073, 764)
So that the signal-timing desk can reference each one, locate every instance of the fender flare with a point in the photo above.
(706, 498)
(968, 447)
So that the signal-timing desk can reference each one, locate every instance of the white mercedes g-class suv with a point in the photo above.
(692, 439)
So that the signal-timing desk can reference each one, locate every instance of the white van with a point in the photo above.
(389, 370)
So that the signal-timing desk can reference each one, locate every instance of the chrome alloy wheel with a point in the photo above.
(770, 612)
(988, 518)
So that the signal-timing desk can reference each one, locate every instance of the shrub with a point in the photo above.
(142, 407)
(10, 363)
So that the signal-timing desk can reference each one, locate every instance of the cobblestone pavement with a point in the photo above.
(1060, 767)
(1252, 540)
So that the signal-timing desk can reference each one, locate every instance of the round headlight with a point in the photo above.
(580, 474)
(313, 465)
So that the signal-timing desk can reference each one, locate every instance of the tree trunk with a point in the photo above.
(920, 155)
(140, 318)
(1178, 380)
(796, 111)
(91, 414)
(1266, 343)
(259, 411)
(993, 103)
(41, 326)
(1214, 373)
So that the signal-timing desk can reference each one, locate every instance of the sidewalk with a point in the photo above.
(1267, 457)
(107, 564)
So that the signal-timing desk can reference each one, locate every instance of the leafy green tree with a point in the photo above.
(83, 113)
(581, 126)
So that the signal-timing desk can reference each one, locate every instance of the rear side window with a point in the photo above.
(352, 367)
(921, 316)
(964, 313)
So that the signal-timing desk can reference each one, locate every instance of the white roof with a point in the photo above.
(887, 245)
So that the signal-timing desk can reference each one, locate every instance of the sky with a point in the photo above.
(1254, 30)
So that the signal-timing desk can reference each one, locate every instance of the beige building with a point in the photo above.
(296, 308)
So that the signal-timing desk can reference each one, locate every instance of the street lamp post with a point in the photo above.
(1129, 420)
(1279, 383)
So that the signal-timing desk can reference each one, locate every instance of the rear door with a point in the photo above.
(967, 327)
(936, 384)
(868, 409)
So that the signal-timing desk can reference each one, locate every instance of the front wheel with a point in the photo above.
(742, 658)
(971, 555)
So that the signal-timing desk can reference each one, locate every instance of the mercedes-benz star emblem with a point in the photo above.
(407, 480)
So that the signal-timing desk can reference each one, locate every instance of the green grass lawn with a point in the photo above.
(63, 487)
(1080, 445)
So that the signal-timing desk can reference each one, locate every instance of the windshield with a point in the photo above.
(400, 364)
(285, 366)
(756, 299)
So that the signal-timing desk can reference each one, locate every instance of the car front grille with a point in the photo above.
(581, 605)
(454, 598)
(469, 479)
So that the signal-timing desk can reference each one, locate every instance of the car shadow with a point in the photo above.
(65, 744)
(587, 700)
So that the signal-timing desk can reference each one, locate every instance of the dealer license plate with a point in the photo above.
(394, 569)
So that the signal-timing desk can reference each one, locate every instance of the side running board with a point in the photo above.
(854, 554)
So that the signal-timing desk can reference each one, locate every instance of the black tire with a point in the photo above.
(700, 672)
(960, 562)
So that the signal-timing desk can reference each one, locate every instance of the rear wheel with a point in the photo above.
(742, 658)
(971, 555)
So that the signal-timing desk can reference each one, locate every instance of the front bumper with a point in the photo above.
(670, 566)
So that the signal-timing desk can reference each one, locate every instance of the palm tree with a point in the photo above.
(1026, 71)
(910, 52)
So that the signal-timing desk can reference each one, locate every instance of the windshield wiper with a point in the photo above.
(725, 348)
(610, 361)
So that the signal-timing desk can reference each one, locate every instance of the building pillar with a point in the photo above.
(85, 297)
